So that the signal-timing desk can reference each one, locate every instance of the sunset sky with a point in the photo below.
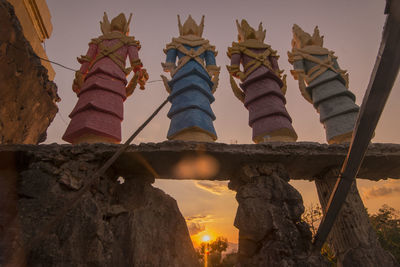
(353, 29)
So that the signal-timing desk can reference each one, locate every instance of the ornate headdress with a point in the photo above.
(118, 23)
(246, 32)
(302, 39)
(190, 27)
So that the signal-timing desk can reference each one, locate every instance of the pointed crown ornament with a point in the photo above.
(246, 32)
(190, 27)
(302, 39)
(119, 23)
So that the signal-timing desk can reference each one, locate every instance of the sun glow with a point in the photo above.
(206, 238)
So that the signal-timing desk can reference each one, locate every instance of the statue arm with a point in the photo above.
(133, 54)
(141, 76)
(234, 68)
(86, 62)
(274, 63)
(211, 64)
(169, 65)
(299, 74)
(210, 58)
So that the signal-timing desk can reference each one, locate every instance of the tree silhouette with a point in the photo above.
(386, 223)
(214, 251)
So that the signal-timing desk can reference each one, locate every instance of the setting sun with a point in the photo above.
(206, 238)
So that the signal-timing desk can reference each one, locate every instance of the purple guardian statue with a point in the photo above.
(263, 88)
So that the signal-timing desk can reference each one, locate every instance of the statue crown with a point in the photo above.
(302, 38)
(119, 23)
(246, 32)
(190, 27)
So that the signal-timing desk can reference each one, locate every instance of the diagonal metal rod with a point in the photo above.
(382, 79)
(48, 227)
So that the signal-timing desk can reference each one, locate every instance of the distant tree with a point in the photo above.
(386, 223)
(214, 250)
(312, 216)
(219, 245)
(387, 226)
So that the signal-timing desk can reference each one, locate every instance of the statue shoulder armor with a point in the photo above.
(274, 53)
(171, 45)
(95, 41)
(211, 48)
(234, 49)
(130, 41)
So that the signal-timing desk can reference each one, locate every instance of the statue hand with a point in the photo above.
(143, 76)
(168, 66)
(78, 82)
(241, 75)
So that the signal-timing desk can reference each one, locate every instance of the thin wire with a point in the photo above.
(63, 66)
(152, 81)
(44, 59)
(59, 113)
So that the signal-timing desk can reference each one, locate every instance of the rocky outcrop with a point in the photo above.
(271, 232)
(129, 224)
(11, 251)
(354, 240)
(27, 97)
(136, 224)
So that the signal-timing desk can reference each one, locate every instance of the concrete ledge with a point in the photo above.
(214, 161)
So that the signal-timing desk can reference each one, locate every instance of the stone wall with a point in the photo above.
(35, 19)
(27, 97)
(113, 224)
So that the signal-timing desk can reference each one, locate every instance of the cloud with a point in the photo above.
(195, 228)
(197, 223)
(214, 187)
(385, 190)
(199, 219)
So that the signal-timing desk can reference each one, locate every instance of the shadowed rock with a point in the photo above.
(27, 97)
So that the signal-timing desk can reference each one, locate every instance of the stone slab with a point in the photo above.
(216, 161)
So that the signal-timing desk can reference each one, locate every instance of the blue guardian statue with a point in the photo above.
(194, 80)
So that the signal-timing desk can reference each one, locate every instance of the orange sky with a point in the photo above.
(351, 28)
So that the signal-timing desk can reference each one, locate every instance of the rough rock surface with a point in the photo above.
(113, 220)
(27, 97)
(11, 252)
(352, 236)
(271, 232)
(129, 224)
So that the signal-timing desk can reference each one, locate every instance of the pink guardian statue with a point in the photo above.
(263, 88)
(101, 84)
